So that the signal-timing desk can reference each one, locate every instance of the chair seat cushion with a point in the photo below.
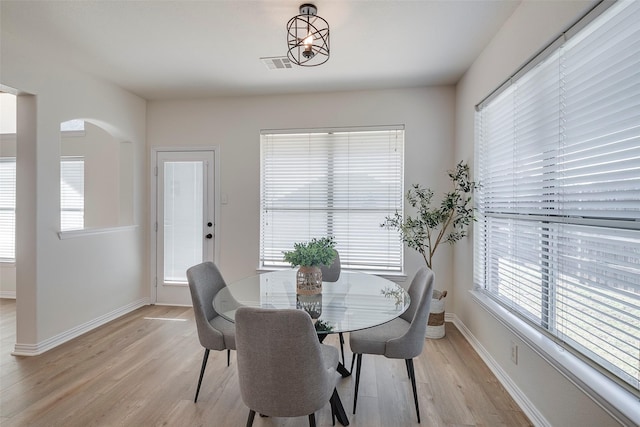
(228, 330)
(374, 340)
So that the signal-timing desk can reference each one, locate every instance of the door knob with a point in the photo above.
(208, 236)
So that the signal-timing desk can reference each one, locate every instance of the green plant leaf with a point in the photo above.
(314, 253)
(435, 223)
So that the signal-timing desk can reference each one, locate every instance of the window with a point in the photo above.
(558, 159)
(7, 176)
(71, 193)
(7, 208)
(75, 125)
(340, 183)
(71, 200)
(8, 104)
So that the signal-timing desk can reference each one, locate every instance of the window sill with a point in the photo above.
(613, 398)
(72, 234)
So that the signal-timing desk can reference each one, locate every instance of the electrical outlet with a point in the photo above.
(514, 353)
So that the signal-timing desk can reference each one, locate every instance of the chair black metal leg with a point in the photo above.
(355, 394)
(252, 415)
(412, 375)
(333, 409)
(312, 420)
(204, 365)
(406, 362)
(341, 346)
(338, 409)
(228, 356)
(342, 370)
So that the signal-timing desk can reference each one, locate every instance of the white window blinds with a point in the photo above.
(71, 200)
(71, 193)
(340, 183)
(558, 160)
(7, 208)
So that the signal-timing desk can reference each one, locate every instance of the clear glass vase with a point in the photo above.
(309, 281)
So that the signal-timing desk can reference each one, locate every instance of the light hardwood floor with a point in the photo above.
(142, 369)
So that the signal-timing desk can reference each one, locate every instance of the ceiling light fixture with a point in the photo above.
(308, 38)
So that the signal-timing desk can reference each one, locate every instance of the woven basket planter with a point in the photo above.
(435, 325)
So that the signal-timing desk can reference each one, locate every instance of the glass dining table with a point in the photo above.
(355, 301)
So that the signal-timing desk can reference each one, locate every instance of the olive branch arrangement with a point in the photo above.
(436, 223)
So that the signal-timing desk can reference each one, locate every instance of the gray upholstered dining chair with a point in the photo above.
(283, 369)
(214, 332)
(331, 273)
(401, 338)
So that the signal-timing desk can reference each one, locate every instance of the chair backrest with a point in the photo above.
(411, 343)
(331, 273)
(280, 365)
(205, 281)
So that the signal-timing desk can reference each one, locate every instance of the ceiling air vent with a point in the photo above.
(277, 62)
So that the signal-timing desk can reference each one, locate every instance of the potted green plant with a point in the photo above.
(309, 256)
(435, 223)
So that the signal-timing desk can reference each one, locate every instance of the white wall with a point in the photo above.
(67, 286)
(532, 26)
(106, 174)
(234, 125)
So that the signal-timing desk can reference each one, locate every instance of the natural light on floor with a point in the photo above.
(165, 318)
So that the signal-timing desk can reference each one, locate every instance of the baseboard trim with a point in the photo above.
(8, 294)
(49, 343)
(518, 396)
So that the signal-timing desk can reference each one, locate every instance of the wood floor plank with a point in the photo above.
(142, 370)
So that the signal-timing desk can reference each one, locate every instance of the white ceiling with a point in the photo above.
(183, 49)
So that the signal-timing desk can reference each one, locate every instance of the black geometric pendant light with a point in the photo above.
(308, 38)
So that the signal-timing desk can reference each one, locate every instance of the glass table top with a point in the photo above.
(356, 301)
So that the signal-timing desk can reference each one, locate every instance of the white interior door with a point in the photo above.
(185, 220)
